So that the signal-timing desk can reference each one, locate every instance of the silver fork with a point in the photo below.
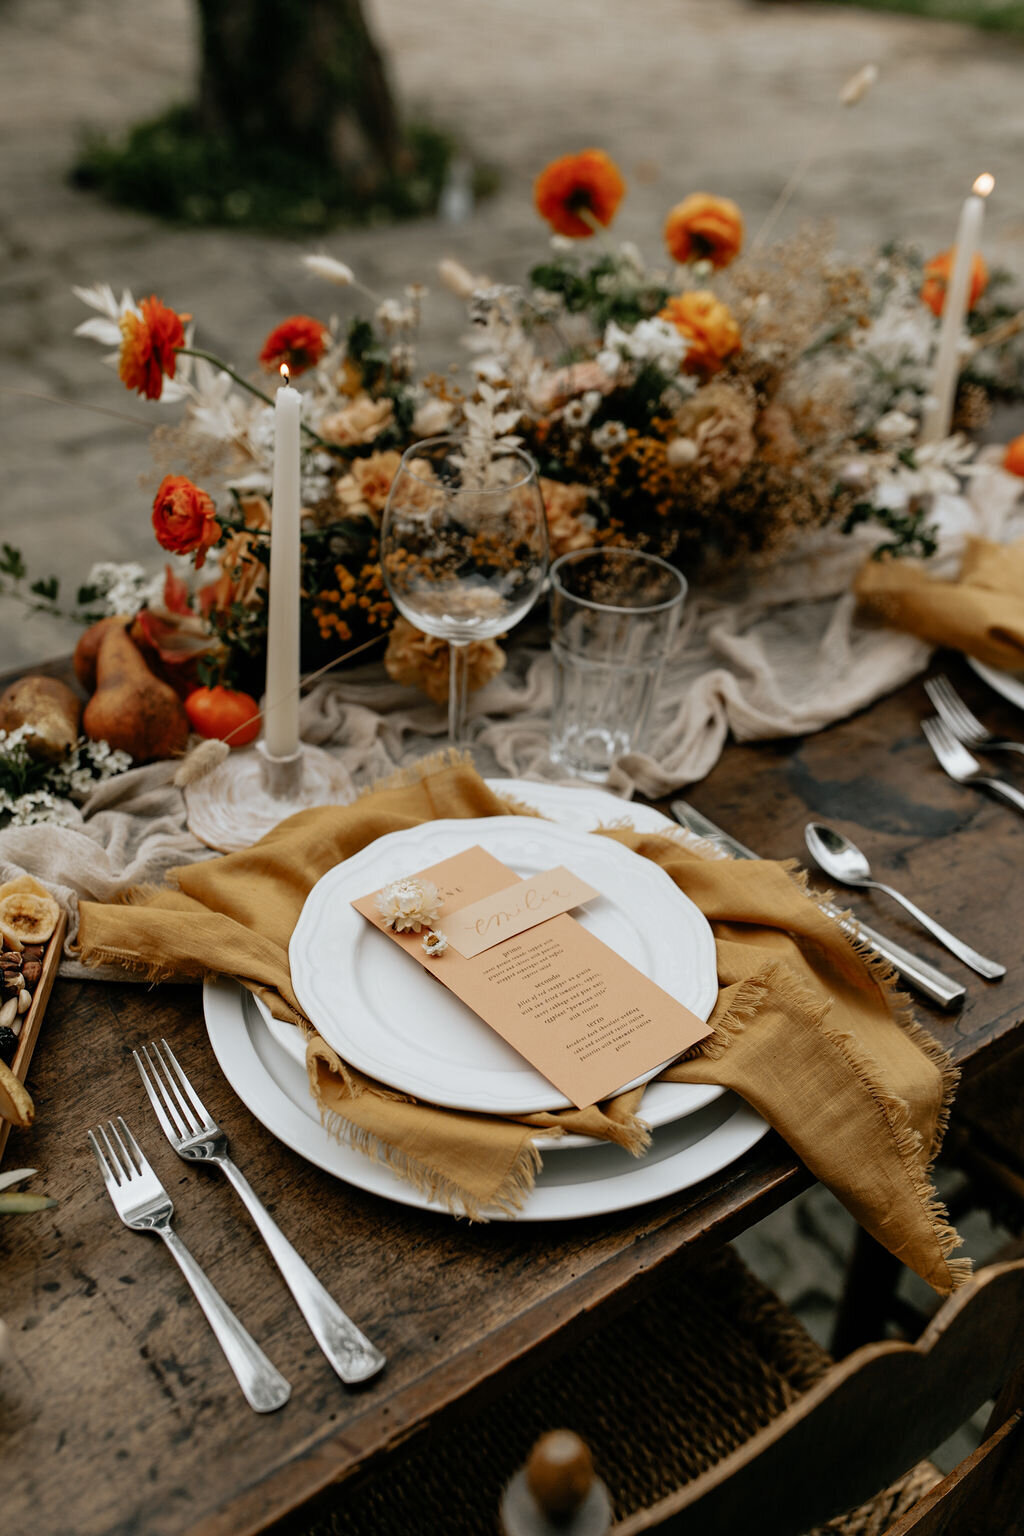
(196, 1137)
(144, 1205)
(965, 726)
(954, 757)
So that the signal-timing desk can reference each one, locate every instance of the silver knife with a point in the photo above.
(927, 978)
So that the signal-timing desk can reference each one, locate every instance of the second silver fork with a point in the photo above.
(196, 1137)
(965, 725)
(955, 760)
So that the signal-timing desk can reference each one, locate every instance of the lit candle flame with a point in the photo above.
(984, 184)
(285, 375)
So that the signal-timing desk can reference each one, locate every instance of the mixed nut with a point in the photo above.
(20, 971)
(28, 917)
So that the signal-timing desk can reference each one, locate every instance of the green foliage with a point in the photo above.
(169, 168)
(911, 532)
(43, 594)
(610, 289)
(994, 15)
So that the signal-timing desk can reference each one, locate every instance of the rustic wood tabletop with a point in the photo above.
(118, 1414)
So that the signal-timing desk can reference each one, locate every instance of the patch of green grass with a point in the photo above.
(167, 167)
(994, 15)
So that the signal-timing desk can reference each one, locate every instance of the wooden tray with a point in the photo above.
(34, 1017)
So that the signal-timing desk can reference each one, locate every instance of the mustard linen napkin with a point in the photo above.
(806, 1028)
(981, 613)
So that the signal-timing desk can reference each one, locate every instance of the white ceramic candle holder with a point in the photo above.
(249, 793)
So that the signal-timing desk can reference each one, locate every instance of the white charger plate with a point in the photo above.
(582, 806)
(1009, 684)
(390, 1019)
(595, 1182)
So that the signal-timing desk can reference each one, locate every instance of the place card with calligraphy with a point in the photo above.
(578, 1012)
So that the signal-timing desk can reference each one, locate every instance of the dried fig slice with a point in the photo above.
(29, 917)
(15, 1101)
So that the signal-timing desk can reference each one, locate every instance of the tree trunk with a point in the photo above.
(301, 76)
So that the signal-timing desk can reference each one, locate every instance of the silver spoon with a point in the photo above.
(844, 861)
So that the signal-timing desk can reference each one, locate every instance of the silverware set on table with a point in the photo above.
(950, 734)
(145, 1206)
(953, 730)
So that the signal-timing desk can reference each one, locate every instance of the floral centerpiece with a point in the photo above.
(708, 408)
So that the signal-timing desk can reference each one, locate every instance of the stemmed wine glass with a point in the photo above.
(464, 546)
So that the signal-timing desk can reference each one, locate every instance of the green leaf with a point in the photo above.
(11, 563)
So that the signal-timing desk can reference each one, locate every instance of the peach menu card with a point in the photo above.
(589, 1021)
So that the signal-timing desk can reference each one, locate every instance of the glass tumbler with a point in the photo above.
(614, 615)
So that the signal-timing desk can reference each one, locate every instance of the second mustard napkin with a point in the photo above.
(982, 613)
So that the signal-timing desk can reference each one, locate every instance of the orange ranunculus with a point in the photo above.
(149, 345)
(711, 332)
(704, 228)
(299, 341)
(938, 272)
(589, 182)
(184, 518)
(1013, 458)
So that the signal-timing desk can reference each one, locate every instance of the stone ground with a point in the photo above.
(685, 94)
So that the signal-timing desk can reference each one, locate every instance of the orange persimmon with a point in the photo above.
(1013, 459)
(225, 714)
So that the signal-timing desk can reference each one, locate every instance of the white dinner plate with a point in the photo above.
(662, 1102)
(1009, 684)
(582, 807)
(387, 1016)
(594, 1182)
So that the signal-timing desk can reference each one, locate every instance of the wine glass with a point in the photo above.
(464, 546)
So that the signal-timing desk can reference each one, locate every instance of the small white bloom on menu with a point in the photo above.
(409, 905)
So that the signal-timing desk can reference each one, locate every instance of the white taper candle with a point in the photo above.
(281, 704)
(939, 408)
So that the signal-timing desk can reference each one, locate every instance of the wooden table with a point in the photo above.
(119, 1414)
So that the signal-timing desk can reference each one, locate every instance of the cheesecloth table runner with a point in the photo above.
(780, 652)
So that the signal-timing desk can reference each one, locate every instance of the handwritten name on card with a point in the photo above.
(485, 923)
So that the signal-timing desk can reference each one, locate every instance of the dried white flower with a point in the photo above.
(858, 85)
(433, 417)
(578, 412)
(895, 427)
(650, 341)
(330, 270)
(435, 944)
(408, 905)
(394, 316)
(680, 452)
(611, 435)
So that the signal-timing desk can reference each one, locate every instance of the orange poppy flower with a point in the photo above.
(299, 341)
(704, 228)
(1013, 458)
(184, 518)
(589, 182)
(710, 329)
(149, 343)
(938, 272)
